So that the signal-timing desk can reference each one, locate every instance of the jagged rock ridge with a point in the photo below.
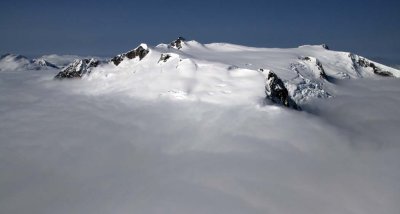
(140, 52)
(276, 91)
(364, 63)
(84, 66)
(177, 44)
(78, 68)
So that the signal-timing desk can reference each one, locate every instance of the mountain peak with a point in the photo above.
(177, 44)
(141, 51)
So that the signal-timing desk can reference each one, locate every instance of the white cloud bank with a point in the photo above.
(63, 152)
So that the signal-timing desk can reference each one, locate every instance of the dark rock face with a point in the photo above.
(177, 43)
(325, 46)
(362, 62)
(365, 63)
(81, 67)
(277, 92)
(232, 67)
(322, 71)
(140, 52)
(78, 68)
(164, 57)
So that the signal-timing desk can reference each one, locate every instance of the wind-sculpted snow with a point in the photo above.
(64, 150)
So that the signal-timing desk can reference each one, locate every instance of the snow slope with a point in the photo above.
(223, 73)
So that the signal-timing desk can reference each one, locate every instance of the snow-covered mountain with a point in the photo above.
(63, 61)
(226, 73)
(12, 62)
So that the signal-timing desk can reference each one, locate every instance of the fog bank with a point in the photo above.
(63, 151)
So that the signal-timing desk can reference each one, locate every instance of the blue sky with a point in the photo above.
(370, 28)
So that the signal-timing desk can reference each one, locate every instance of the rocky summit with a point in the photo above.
(141, 51)
(78, 68)
(276, 91)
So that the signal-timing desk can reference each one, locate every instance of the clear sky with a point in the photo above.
(367, 27)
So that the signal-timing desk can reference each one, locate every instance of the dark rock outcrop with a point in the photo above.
(140, 52)
(84, 66)
(164, 57)
(362, 62)
(325, 46)
(177, 43)
(78, 68)
(233, 67)
(276, 91)
(365, 63)
(322, 73)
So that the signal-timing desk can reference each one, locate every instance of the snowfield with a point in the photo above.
(229, 74)
(193, 133)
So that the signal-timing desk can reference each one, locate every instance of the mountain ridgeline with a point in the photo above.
(219, 72)
(290, 77)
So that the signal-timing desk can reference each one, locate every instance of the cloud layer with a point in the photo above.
(62, 151)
